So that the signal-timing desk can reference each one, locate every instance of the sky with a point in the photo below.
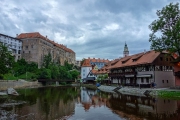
(91, 28)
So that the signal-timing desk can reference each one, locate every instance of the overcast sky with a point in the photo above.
(91, 28)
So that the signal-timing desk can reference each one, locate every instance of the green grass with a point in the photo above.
(169, 94)
(28, 76)
(9, 76)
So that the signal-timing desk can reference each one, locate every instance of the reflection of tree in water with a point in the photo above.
(47, 101)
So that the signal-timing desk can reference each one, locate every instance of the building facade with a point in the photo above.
(14, 45)
(89, 64)
(35, 47)
(143, 69)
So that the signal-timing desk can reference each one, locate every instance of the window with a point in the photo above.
(161, 58)
(147, 80)
(166, 59)
(83, 74)
(162, 81)
(167, 81)
(26, 47)
(142, 80)
(29, 52)
(31, 46)
(83, 70)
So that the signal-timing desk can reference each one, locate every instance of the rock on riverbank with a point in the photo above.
(129, 90)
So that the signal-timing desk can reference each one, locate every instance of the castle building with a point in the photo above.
(126, 51)
(35, 47)
(14, 45)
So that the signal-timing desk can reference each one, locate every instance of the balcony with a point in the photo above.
(130, 73)
(116, 74)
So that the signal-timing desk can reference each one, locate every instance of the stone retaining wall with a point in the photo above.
(4, 84)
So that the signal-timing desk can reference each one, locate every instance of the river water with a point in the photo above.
(80, 103)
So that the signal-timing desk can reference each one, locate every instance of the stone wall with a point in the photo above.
(4, 84)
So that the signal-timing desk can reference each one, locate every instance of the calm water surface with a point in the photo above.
(80, 103)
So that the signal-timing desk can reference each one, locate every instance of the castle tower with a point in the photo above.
(125, 52)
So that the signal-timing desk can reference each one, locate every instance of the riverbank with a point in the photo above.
(5, 84)
(142, 92)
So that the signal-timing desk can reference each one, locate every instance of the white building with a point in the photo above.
(87, 64)
(14, 45)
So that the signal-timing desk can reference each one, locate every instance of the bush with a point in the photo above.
(44, 74)
(63, 83)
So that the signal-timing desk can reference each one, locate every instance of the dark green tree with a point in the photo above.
(166, 30)
(54, 71)
(6, 60)
(47, 61)
(44, 73)
(74, 74)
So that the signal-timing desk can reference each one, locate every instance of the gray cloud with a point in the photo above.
(92, 28)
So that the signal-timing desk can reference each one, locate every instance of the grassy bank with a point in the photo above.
(169, 94)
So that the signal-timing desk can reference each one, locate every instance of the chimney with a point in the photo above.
(16, 35)
(88, 57)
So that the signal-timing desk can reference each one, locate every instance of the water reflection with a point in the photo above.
(75, 103)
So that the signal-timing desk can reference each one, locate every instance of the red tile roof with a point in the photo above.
(106, 68)
(137, 59)
(38, 35)
(87, 62)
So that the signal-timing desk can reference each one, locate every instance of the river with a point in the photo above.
(80, 103)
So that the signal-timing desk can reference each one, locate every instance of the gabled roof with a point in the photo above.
(38, 35)
(141, 58)
(87, 62)
(105, 69)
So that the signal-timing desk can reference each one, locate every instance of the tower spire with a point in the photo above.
(126, 51)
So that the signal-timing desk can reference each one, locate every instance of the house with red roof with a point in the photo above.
(143, 69)
(90, 66)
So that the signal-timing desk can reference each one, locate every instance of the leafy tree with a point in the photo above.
(74, 74)
(6, 60)
(45, 73)
(47, 61)
(165, 30)
(20, 66)
(54, 71)
(32, 67)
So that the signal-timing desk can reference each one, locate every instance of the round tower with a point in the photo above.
(126, 51)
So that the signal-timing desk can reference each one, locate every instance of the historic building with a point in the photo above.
(142, 69)
(36, 46)
(14, 45)
(91, 64)
(126, 51)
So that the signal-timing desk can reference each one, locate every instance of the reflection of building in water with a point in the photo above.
(46, 111)
(90, 98)
(151, 107)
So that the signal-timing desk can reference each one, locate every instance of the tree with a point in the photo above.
(47, 61)
(166, 30)
(6, 60)
(74, 74)
(45, 74)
